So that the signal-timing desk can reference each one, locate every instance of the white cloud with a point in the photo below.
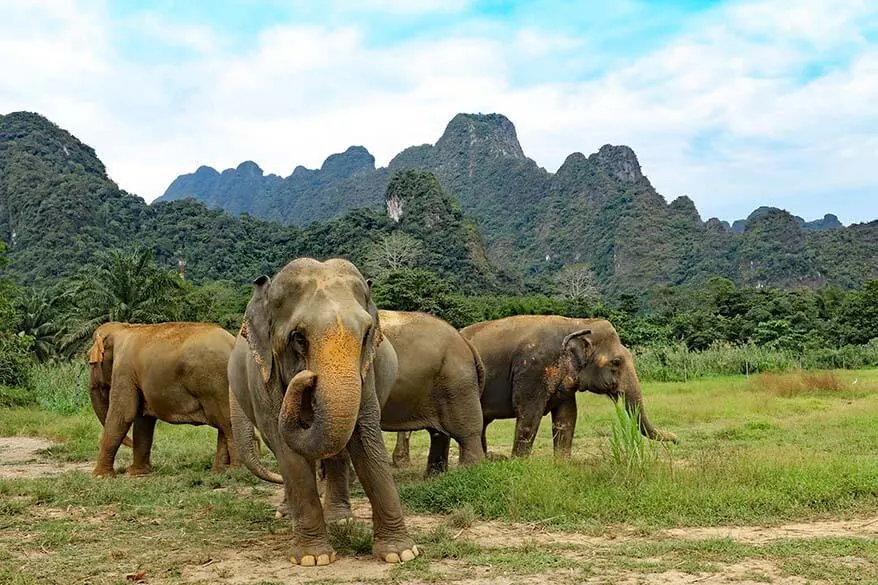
(303, 92)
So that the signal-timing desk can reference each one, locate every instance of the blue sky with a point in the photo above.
(734, 103)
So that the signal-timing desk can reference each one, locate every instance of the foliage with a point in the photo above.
(60, 387)
(576, 281)
(124, 286)
(393, 251)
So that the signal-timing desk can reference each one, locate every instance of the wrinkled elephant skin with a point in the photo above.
(438, 388)
(535, 364)
(175, 372)
(309, 370)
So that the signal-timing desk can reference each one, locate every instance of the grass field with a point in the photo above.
(775, 480)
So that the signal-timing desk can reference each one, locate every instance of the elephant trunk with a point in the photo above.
(634, 404)
(319, 412)
(244, 444)
(99, 393)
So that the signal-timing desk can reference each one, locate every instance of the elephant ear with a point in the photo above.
(96, 352)
(579, 346)
(257, 325)
(375, 337)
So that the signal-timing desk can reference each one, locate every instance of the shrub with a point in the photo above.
(15, 359)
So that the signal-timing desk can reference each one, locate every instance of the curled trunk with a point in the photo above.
(99, 393)
(634, 403)
(244, 443)
(318, 414)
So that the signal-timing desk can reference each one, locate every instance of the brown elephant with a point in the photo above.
(175, 372)
(438, 388)
(535, 364)
(309, 369)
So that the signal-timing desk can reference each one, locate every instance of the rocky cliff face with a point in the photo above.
(599, 209)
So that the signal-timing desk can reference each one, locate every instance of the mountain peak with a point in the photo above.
(36, 136)
(248, 168)
(491, 133)
(684, 207)
(619, 162)
(352, 161)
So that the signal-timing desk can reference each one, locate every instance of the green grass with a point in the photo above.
(751, 451)
(745, 455)
(679, 364)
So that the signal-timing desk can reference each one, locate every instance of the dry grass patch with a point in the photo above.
(797, 383)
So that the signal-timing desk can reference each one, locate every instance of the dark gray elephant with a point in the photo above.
(535, 364)
(307, 369)
(438, 388)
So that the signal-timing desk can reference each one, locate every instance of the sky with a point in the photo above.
(735, 103)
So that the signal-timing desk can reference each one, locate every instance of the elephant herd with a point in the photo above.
(320, 372)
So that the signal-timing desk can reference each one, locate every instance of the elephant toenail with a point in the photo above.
(308, 561)
(407, 555)
(323, 560)
(391, 558)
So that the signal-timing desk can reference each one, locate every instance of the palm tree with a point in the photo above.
(123, 285)
(41, 316)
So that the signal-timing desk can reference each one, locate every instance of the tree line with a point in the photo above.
(54, 322)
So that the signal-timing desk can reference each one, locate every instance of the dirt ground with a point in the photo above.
(25, 457)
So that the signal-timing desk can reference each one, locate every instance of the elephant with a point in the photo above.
(438, 388)
(535, 364)
(175, 372)
(309, 369)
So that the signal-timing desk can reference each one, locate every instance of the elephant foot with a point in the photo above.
(282, 510)
(401, 462)
(104, 472)
(135, 470)
(314, 555)
(398, 550)
(340, 514)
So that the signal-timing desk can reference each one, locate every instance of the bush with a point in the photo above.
(677, 363)
(15, 359)
(60, 387)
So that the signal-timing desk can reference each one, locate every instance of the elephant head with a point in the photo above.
(598, 362)
(100, 372)
(313, 333)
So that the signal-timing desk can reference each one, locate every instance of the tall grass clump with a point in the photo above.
(60, 387)
(629, 449)
(678, 364)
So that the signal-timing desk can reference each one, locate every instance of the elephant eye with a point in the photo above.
(297, 340)
(617, 362)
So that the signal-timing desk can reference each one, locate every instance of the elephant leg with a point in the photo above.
(563, 426)
(526, 426)
(336, 495)
(144, 430)
(222, 458)
(401, 456)
(471, 451)
(124, 404)
(437, 460)
(391, 541)
(310, 541)
(484, 437)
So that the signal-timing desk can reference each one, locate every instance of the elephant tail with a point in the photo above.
(245, 444)
(480, 365)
